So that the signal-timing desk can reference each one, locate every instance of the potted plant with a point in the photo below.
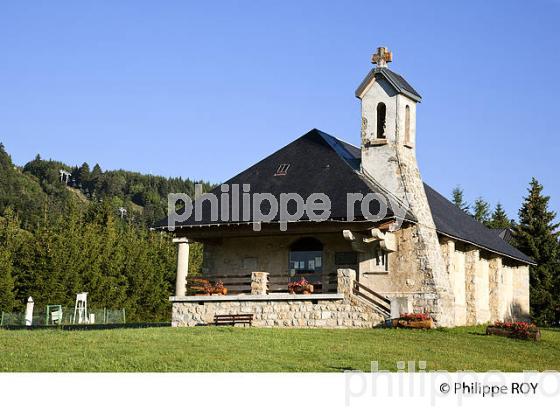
(219, 288)
(414, 321)
(300, 286)
(517, 330)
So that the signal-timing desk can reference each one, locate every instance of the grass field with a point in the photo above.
(210, 349)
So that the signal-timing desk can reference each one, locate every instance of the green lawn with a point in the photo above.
(210, 349)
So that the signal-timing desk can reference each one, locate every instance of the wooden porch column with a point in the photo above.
(182, 266)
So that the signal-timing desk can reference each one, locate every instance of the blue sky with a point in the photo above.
(205, 89)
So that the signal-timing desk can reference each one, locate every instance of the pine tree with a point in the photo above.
(8, 232)
(94, 182)
(7, 297)
(537, 236)
(481, 210)
(459, 201)
(82, 175)
(499, 218)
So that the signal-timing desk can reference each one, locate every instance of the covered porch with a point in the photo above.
(252, 274)
(312, 253)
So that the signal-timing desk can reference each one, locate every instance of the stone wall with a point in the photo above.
(404, 276)
(242, 255)
(331, 311)
(485, 288)
(496, 288)
(457, 276)
(520, 305)
(259, 283)
(280, 313)
(436, 286)
(407, 273)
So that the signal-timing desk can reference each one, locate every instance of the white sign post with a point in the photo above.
(29, 312)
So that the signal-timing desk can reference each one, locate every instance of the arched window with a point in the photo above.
(381, 114)
(407, 125)
(306, 259)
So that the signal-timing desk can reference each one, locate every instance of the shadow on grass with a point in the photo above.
(344, 369)
(478, 333)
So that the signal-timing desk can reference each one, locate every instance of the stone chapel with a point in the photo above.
(436, 259)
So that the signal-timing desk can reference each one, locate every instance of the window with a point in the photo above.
(282, 170)
(381, 114)
(345, 259)
(381, 260)
(306, 259)
(375, 261)
(407, 125)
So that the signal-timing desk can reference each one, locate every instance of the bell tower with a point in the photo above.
(388, 157)
(388, 134)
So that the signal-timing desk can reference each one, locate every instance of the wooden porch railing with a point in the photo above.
(240, 283)
(379, 302)
(278, 283)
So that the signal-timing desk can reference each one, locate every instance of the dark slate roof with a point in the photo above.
(396, 80)
(318, 163)
(453, 222)
(322, 163)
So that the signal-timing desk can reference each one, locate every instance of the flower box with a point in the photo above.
(305, 289)
(413, 321)
(516, 330)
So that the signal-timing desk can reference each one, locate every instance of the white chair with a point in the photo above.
(56, 317)
(80, 309)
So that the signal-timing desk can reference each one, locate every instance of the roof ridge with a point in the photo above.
(396, 80)
(338, 147)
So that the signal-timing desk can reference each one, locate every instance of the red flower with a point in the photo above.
(415, 316)
(520, 329)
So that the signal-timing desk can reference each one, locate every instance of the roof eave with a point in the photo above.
(245, 223)
(527, 262)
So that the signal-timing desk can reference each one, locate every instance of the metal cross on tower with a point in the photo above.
(382, 57)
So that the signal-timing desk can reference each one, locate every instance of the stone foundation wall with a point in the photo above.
(280, 313)
(330, 311)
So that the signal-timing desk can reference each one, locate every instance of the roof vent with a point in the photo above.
(282, 170)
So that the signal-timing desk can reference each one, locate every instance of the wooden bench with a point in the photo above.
(232, 320)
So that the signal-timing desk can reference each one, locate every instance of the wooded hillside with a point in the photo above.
(58, 238)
